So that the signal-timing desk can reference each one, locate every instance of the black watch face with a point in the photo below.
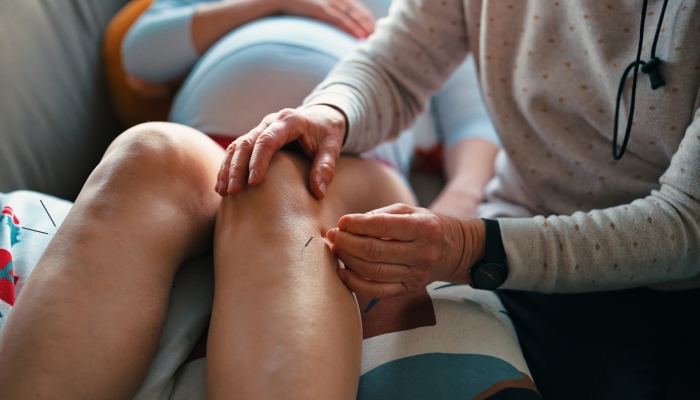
(489, 276)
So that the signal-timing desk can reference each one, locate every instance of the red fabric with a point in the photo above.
(222, 140)
(428, 160)
(7, 285)
(8, 211)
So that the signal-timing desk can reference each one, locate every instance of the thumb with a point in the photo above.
(323, 168)
(398, 208)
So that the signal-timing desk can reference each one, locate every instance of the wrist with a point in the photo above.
(465, 191)
(467, 188)
(337, 119)
(470, 246)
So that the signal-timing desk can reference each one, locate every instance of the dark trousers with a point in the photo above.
(630, 344)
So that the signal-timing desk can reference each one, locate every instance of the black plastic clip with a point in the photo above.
(652, 69)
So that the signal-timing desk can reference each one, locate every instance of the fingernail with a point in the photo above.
(231, 184)
(341, 275)
(322, 186)
(216, 188)
(343, 224)
(331, 236)
(252, 175)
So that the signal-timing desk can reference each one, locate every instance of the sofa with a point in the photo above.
(55, 116)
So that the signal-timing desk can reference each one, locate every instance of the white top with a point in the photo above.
(550, 71)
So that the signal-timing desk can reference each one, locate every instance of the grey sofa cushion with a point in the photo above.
(55, 117)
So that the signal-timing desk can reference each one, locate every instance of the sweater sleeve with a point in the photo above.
(384, 85)
(652, 240)
(158, 47)
(459, 111)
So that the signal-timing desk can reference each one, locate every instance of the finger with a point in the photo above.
(396, 208)
(367, 288)
(380, 272)
(239, 165)
(226, 166)
(338, 18)
(286, 127)
(361, 14)
(373, 249)
(323, 167)
(384, 226)
(222, 179)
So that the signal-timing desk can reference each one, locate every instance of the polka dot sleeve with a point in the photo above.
(384, 85)
(158, 47)
(649, 241)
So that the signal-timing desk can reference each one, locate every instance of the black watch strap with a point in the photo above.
(491, 271)
(494, 241)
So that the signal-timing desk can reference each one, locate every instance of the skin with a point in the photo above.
(469, 167)
(401, 249)
(424, 246)
(320, 131)
(283, 324)
(302, 335)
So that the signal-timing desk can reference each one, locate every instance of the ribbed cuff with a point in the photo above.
(523, 244)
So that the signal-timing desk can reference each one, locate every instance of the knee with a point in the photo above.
(167, 169)
(163, 162)
(285, 184)
(149, 147)
(283, 194)
(286, 178)
(161, 153)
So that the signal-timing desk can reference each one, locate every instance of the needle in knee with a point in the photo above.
(47, 213)
(307, 243)
(34, 230)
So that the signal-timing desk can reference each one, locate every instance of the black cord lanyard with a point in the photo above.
(651, 68)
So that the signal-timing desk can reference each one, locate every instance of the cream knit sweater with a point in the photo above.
(549, 71)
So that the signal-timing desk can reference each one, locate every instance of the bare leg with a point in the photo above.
(284, 326)
(88, 321)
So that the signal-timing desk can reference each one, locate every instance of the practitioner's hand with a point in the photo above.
(399, 249)
(320, 131)
(352, 16)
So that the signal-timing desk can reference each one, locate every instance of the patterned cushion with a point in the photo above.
(445, 342)
(26, 227)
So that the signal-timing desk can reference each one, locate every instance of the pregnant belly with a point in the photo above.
(256, 70)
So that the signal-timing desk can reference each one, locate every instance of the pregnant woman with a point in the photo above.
(240, 66)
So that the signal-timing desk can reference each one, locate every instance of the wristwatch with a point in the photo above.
(491, 271)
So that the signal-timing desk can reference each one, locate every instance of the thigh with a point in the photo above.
(362, 185)
(609, 345)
